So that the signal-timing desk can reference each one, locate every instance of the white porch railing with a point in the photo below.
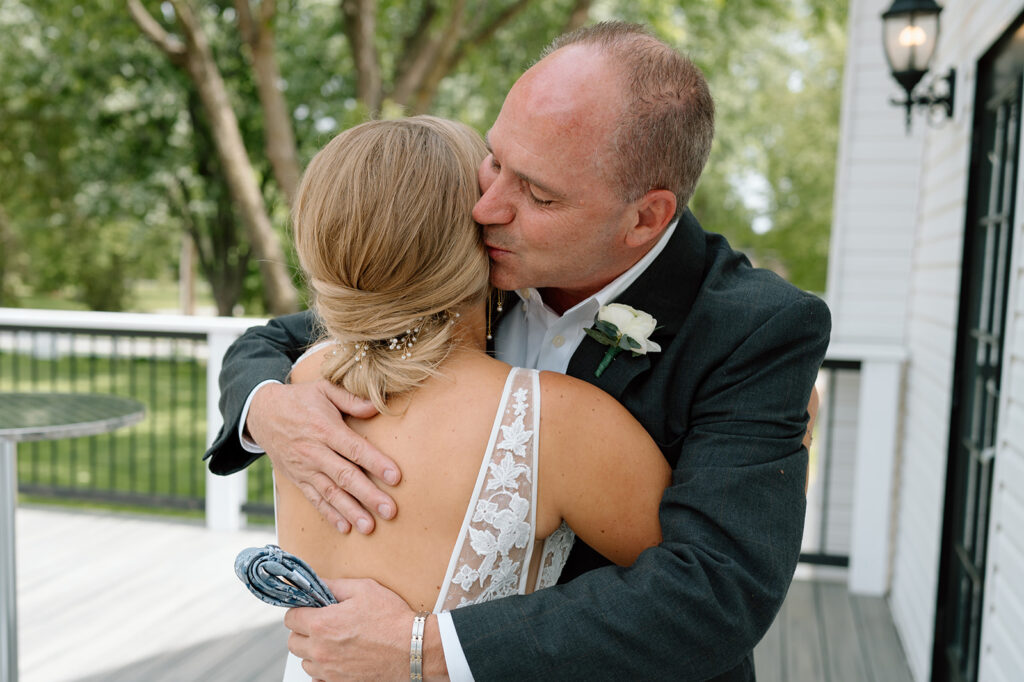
(876, 401)
(863, 445)
(224, 494)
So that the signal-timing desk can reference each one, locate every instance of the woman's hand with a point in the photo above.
(302, 430)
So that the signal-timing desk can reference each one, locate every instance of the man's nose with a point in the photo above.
(493, 207)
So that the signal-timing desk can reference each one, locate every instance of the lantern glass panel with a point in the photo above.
(910, 41)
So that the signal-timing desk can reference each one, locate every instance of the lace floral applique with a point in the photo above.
(492, 555)
(500, 532)
(554, 555)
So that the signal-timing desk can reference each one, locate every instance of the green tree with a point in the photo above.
(109, 152)
(79, 151)
(775, 70)
(194, 55)
(799, 154)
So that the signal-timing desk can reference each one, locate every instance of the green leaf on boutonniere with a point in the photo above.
(600, 337)
(631, 342)
(608, 329)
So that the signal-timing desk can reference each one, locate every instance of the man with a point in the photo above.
(595, 153)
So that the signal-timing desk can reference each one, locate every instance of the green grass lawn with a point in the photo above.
(154, 465)
(147, 296)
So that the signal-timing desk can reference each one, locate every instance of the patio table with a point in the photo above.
(33, 417)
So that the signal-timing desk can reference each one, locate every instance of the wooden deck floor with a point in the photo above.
(119, 598)
(115, 597)
(825, 634)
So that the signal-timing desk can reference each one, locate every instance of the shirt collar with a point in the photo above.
(590, 306)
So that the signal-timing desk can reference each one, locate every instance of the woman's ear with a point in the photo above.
(655, 211)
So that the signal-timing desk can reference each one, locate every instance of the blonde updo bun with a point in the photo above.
(384, 232)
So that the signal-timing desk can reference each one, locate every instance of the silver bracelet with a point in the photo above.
(416, 646)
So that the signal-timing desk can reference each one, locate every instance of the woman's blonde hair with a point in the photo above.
(384, 232)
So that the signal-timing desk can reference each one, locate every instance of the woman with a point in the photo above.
(497, 462)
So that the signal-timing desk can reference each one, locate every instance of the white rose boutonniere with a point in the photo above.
(621, 327)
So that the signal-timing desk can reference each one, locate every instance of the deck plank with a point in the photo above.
(803, 652)
(252, 655)
(843, 661)
(100, 591)
(768, 655)
(882, 650)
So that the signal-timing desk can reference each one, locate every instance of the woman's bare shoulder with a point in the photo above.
(307, 367)
(578, 417)
(575, 402)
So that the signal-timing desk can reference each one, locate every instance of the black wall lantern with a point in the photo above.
(910, 29)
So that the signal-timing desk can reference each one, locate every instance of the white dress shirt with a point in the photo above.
(535, 337)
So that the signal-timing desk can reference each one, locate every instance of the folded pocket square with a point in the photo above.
(280, 578)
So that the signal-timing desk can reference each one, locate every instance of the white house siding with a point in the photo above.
(876, 189)
(894, 278)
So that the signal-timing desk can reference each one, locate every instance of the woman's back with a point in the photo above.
(438, 435)
(384, 232)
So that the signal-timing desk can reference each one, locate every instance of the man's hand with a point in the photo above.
(366, 635)
(302, 429)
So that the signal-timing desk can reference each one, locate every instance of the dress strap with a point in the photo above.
(491, 557)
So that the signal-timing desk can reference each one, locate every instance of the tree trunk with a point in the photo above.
(432, 52)
(420, 48)
(451, 46)
(187, 276)
(578, 16)
(446, 45)
(360, 21)
(7, 252)
(196, 58)
(279, 135)
(217, 236)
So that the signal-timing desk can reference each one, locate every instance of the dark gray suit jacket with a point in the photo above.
(726, 401)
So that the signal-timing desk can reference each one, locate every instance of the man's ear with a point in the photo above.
(654, 212)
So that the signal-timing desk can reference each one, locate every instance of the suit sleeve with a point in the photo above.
(261, 353)
(732, 520)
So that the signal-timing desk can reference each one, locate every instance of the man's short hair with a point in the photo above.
(663, 138)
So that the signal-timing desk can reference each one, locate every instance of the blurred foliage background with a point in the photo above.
(118, 170)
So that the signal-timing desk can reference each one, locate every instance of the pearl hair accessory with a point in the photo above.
(403, 343)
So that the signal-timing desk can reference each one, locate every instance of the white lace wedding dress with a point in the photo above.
(493, 554)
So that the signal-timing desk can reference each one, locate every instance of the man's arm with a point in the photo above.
(261, 353)
(300, 426)
(732, 521)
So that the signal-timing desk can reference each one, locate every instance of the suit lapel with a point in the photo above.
(666, 290)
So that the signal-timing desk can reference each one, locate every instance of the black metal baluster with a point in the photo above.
(73, 387)
(173, 412)
(197, 419)
(93, 454)
(133, 390)
(112, 364)
(153, 455)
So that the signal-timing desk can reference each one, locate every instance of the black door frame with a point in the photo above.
(978, 366)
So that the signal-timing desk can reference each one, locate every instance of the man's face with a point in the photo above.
(550, 217)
